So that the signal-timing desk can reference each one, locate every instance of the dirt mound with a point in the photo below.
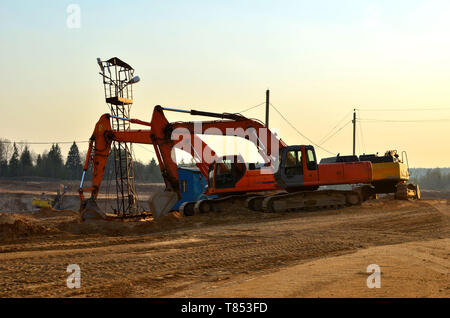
(50, 212)
(14, 225)
(122, 227)
(15, 202)
(168, 221)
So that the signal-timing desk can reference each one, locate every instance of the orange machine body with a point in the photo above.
(241, 178)
(223, 177)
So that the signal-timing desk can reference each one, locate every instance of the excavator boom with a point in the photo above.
(100, 146)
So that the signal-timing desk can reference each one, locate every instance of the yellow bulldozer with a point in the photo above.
(390, 174)
(44, 201)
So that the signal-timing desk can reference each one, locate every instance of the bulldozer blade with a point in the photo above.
(418, 194)
(91, 211)
(407, 191)
(162, 202)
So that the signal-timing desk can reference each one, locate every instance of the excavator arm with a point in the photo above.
(100, 146)
(165, 136)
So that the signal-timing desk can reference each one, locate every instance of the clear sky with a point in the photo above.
(320, 59)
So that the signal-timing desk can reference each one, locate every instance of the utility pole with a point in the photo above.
(354, 131)
(267, 107)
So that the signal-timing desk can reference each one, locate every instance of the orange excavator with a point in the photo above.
(160, 137)
(288, 180)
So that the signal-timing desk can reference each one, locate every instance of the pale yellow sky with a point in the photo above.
(319, 61)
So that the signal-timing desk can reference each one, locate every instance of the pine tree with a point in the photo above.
(140, 171)
(3, 167)
(14, 163)
(26, 162)
(53, 163)
(154, 172)
(73, 162)
(3, 158)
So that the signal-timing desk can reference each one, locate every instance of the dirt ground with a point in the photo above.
(17, 195)
(233, 254)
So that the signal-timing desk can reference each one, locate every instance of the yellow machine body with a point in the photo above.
(390, 171)
(42, 203)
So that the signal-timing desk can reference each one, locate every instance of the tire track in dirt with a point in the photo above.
(165, 263)
(417, 269)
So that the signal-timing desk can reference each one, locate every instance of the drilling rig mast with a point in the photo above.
(118, 80)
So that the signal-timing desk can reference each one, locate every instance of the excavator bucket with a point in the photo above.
(162, 202)
(91, 211)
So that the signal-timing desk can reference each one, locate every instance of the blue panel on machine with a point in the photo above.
(192, 185)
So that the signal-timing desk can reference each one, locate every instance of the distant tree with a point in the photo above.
(14, 163)
(5, 149)
(3, 168)
(433, 179)
(140, 172)
(4, 152)
(26, 162)
(153, 171)
(183, 163)
(39, 165)
(73, 163)
(53, 164)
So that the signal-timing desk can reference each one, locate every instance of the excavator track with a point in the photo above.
(255, 203)
(407, 191)
(214, 205)
(187, 208)
(220, 204)
(280, 202)
(310, 200)
(366, 191)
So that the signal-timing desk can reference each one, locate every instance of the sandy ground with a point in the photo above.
(233, 254)
(17, 196)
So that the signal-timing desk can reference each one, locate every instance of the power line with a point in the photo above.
(403, 109)
(250, 108)
(336, 132)
(321, 141)
(373, 120)
(293, 127)
(151, 151)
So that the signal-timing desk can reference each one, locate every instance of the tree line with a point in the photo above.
(432, 179)
(17, 160)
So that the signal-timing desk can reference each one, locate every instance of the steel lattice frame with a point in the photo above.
(119, 97)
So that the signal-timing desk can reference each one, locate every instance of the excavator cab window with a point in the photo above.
(311, 161)
(228, 173)
(293, 165)
(290, 174)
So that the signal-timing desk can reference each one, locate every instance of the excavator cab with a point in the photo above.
(226, 172)
(292, 170)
